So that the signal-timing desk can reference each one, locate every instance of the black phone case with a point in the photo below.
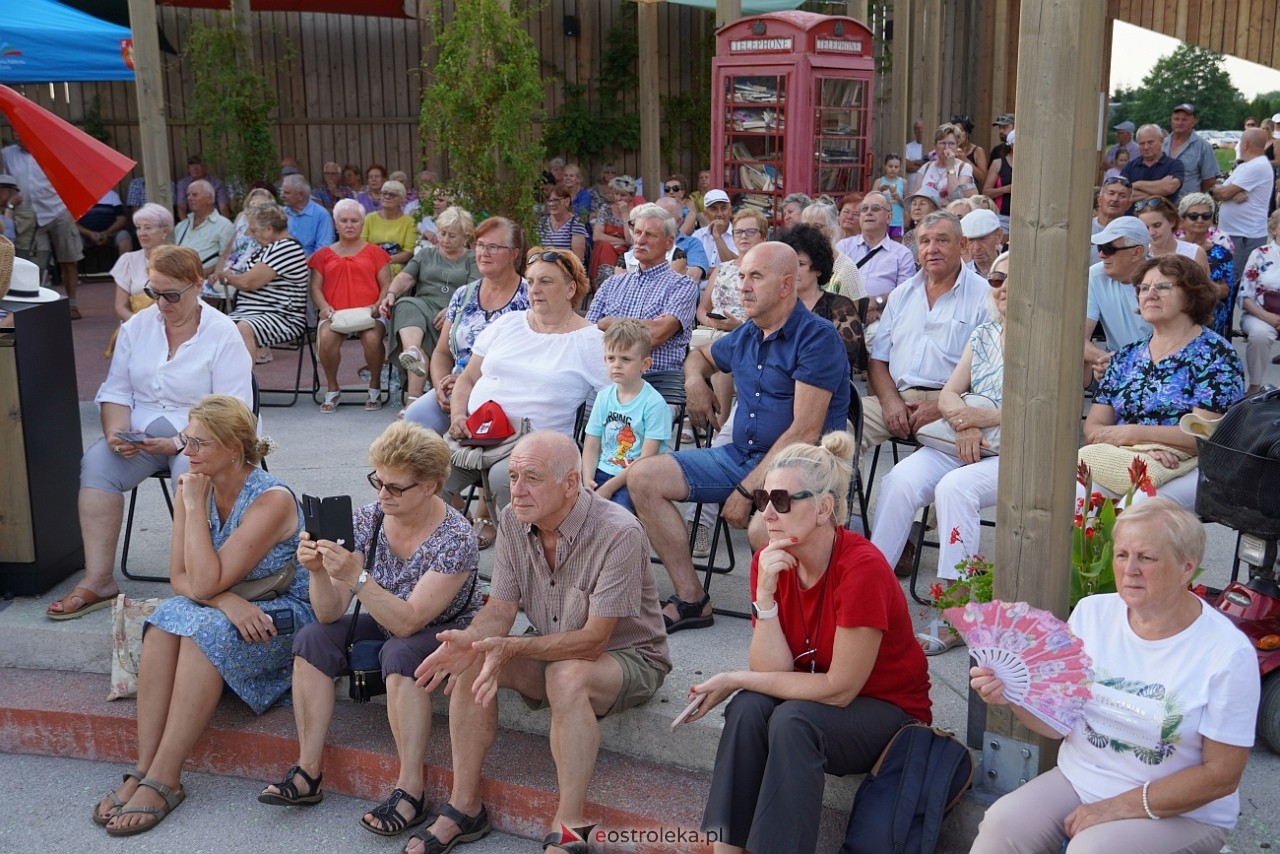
(329, 519)
(282, 619)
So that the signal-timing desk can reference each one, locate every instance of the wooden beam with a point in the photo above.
(903, 13)
(1001, 100)
(1045, 329)
(857, 9)
(149, 86)
(727, 11)
(930, 49)
(649, 87)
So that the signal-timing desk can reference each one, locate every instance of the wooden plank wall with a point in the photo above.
(1248, 29)
(349, 86)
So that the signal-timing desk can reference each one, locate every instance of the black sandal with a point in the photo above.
(470, 829)
(690, 614)
(392, 822)
(289, 795)
(557, 840)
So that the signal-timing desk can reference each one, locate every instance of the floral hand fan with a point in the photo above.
(1043, 666)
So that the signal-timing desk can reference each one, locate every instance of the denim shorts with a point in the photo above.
(712, 473)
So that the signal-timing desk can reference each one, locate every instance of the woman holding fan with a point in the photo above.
(1154, 763)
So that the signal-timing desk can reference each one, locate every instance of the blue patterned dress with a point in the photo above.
(259, 673)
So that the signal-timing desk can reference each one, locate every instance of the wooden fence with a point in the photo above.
(349, 86)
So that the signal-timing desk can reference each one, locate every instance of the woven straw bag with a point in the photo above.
(1110, 464)
(6, 265)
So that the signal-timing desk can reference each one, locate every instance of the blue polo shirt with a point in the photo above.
(313, 227)
(1138, 170)
(694, 254)
(806, 349)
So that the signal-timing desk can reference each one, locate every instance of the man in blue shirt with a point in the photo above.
(1122, 245)
(792, 378)
(1154, 173)
(309, 223)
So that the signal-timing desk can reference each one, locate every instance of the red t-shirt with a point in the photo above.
(350, 281)
(859, 589)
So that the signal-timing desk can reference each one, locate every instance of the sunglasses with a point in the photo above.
(673, 188)
(553, 258)
(779, 498)
(1117, 179)
(1152, 204)
(872, 208)
(959, 118)
(396, 491)
(997, 280)
(167, 296)
(1197, 217)
(1106, 250)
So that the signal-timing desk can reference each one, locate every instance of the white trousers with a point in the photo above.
(959, 492)
(1257, 351)
(1181, 489)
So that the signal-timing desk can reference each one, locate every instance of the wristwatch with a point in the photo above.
(761, 614)
(360, 581)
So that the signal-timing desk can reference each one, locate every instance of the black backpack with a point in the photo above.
(899, 807)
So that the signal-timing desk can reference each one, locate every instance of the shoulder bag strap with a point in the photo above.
(368, 567)
(865, 258)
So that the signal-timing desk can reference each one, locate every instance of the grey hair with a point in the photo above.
(649, 210)
(343, 205)
(202, 185)
(396, 188)
(936, 217)
(557, 162)
(825, 469)
(624, 184)
(797, 198)
(154, 214)
(1159, 130)
(296, 182)
(1190, 200)
(828, 219)
(454, 215)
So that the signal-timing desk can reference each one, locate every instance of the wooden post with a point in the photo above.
(240, 19)
(857, 9)
(149, 84)
(929, 49)
(903, 117)
(727, 11)
(649, 86)
(1000, 42)
(1057, 131)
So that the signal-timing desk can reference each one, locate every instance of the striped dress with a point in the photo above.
(277, 312)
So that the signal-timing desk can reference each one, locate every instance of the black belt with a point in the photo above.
(920, 388)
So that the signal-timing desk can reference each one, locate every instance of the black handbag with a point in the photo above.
(366, 680)
(362, 656)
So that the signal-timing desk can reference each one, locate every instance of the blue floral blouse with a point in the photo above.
(1222, 271)
(469, 319)
(1206, 373)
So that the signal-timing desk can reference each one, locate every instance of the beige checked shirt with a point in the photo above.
(602, 570)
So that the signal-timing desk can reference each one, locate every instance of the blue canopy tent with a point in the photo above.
(42, 41)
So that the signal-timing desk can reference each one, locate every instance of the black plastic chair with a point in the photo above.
(305, 344)
(921, 542)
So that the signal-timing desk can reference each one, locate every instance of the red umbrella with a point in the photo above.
(80, 168)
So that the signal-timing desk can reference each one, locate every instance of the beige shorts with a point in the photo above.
(704, 335)
(61, 235)
(640, 681)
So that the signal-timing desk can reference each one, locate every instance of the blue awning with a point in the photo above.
(42, 41)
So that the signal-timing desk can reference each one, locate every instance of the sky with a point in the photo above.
(1135, 50)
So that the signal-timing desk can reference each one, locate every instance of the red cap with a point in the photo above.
(488, 425)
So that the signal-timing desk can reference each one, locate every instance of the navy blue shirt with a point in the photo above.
(806, 349)
(1137, 170)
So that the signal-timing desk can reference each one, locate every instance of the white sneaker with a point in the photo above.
(702, 542)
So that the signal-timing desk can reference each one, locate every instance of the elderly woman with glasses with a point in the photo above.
(232, 523)
(370, 196)
(834, 670)
(1198, 212)
(271, 307)
(413, 570)
(949, 170)
(390, 227)
(846, 279)
(1181, 367)
(559, 227)
(168, 357)
(154, 224)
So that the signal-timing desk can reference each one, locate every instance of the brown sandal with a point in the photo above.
(486, 532)
(91, 602)
(116, 804)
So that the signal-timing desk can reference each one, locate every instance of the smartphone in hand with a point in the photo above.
(282, 619)
(133, 437)
(688, 710)
(329, 519)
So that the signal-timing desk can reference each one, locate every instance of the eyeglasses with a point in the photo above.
(959, 118)
(1198, 217)
(746, 232)
(872, 208)
(396, 491)
(812, 655)
(167, 296)
(1161, 288)
(192, 442)
(672, 188)
(779, 498)
(1117, 179)
(1106, 250)
(490, 248)
(389, 195)
(997, 280)
(1152, 204)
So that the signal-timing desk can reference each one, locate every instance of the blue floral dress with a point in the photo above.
(1206, 373)
(259, 673)
(1222, 271)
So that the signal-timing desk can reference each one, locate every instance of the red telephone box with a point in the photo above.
(791, 108)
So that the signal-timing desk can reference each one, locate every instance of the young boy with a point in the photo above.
(629, 420)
